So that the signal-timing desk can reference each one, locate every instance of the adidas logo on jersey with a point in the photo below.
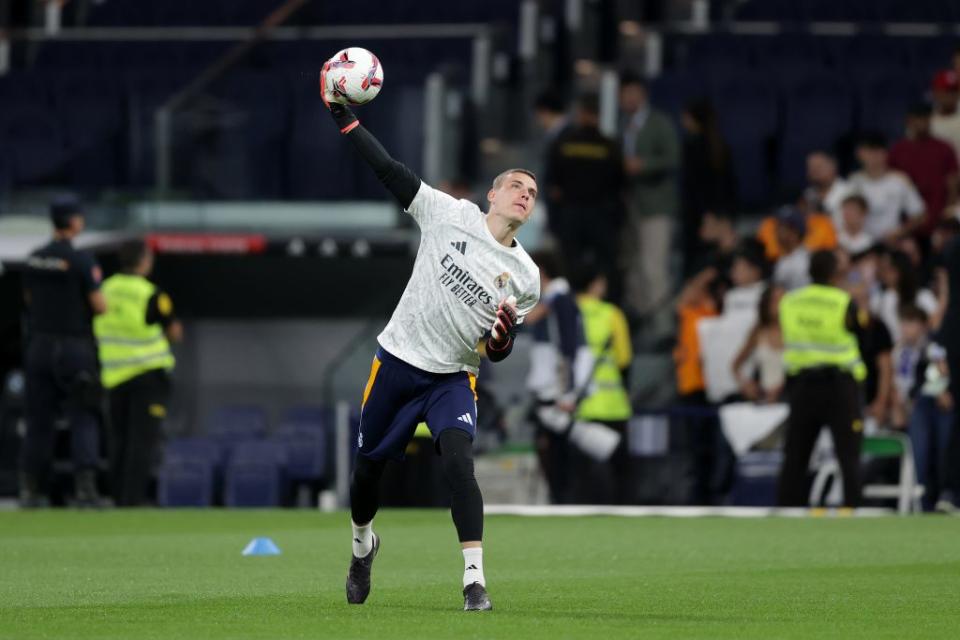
(460, 246)
(466, 418)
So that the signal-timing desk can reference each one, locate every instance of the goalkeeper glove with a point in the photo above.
(341, 113)
(505, 326)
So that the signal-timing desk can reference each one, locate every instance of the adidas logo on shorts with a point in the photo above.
(466, 418)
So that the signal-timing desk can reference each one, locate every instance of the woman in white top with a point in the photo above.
(763, 351)
(900, 283)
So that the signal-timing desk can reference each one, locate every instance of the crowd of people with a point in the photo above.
(618, 203)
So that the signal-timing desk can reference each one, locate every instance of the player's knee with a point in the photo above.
(456, 456)
(367, 471)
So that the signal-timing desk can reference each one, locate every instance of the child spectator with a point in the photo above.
(852, 235)
(923, 400)
(901, 287)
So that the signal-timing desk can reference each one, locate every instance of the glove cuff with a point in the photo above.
(494, 345)
(344, 117)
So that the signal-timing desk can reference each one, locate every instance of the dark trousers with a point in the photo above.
(607, 482)
(137, 410)
(929, 429)
(951, 472)
(62, 381)
(819, 398)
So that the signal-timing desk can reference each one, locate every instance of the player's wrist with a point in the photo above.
(502, 344)
(344, 117)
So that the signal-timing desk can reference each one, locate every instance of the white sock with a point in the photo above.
(362, 539)
(473, 566)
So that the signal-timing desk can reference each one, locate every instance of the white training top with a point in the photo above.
(888, 197)
(459, 277)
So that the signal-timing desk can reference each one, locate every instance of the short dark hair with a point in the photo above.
(911, 312)
(589, 102)
(858, 200)
(549, 100)
(549, 262)
(62, 209)
(131, 254)
(872, 140)
(630, 77)
(823, 266)
(583, 274)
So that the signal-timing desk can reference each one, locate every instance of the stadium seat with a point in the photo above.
(193, 450)
(232, 423)
(255, 475)
(185, 483)
(755, 479)
(35, 144)
(748, 113)
(305, 436)
(818, 113)
(883, 100)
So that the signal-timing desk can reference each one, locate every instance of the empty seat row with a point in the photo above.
(931, 11)
(238, 464)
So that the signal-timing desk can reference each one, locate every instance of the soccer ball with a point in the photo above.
(355, 75)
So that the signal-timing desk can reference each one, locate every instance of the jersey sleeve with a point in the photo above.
(89, 271)
(430, 204)
(160, 310)
(526, 304)
(622, 349)
(912, 202)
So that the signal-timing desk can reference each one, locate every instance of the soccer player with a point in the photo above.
(472, 283)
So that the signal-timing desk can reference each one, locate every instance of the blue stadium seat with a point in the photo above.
(237, 422)
(255, 475)
(303, 430)
(313, 145)
(193, 450)
(34, 143)
(884, 99)
(748, 112)
(185, 483)
(818, 112)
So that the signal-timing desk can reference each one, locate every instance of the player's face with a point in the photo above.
(514, 198)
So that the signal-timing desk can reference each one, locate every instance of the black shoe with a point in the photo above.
(358, 578)
(475, 598)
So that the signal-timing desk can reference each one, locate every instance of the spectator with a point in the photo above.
(747, 274)
(889, 193)
(694, 303)
(792, 270)
(901, 287)
(560, 369)
(923, 401)
(873, 337)
(852, 234)
(945, 122)
(950, 337)
(930, 163)
(763, 350)
(720, 241)
(826, 190)
(652, 160)
(819, 233)
(584, 182)
(550, 113)
(707, 180)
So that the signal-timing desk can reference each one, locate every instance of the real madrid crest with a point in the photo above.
(502, 280)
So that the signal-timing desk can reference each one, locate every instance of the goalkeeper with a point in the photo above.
(472, 284)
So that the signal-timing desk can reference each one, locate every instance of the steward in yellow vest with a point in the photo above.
(608, 337)
(824, 369)
(133, 339)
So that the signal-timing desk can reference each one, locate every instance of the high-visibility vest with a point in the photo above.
(608, 399)
(128, 345)
(814, 324)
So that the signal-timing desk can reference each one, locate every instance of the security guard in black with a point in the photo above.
(61, 292)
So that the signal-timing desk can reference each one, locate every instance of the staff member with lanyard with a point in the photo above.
(824, 370)
(134, 338)
(62, 294)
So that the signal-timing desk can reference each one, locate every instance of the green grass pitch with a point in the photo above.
(176, 574)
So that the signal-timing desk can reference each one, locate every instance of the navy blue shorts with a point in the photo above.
(398, 396)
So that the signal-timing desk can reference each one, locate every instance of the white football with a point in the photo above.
(355, 75)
